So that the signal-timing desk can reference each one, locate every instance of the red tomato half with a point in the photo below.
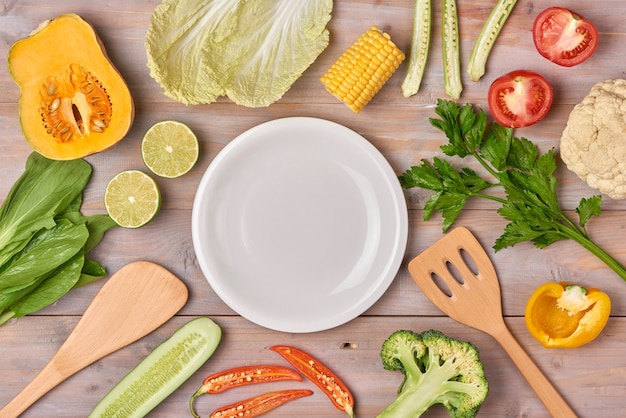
(564, 37)
(519, 98)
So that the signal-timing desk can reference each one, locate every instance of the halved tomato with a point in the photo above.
(564, 37)
(519, 98)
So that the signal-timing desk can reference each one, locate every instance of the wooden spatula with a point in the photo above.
(456, 274)
(136, 300)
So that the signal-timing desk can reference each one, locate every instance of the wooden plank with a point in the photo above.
(122, 26)
(590, 378)
(521, 269)
(411, 140)
(352, 351)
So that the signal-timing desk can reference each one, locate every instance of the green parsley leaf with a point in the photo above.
(526, 175)
(588, 208)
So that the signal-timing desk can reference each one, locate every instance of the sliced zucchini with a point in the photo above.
(167, 367)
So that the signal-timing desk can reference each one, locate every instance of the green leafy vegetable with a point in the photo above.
(488, 35)
(527, 176)
(437, 370)
(36, 198)
(251, 51)
(44, 237)
(55, 245)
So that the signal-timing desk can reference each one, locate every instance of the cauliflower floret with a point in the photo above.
(593, 144)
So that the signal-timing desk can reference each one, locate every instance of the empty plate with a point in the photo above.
(299, 224)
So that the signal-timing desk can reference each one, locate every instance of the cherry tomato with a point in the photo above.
(564, 37)
(519, 98)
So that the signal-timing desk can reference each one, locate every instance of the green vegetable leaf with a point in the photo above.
(464, 128)
(97, 225)
(92, 271)
(43, 236)
(452, 188)
(50, 289)
(522, 154)
(588, 208)
(45, 189)
(496, 146)
(251, 51)
(49, 249)
(525, 174)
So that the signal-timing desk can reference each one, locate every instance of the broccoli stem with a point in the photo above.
(425, 389)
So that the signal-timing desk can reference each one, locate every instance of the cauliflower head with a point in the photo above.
(593, 144)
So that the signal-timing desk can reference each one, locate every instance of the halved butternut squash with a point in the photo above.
(73, 101)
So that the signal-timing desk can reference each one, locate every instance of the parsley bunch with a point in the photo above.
(527, 176)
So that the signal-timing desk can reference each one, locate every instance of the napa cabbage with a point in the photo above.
(249, 50)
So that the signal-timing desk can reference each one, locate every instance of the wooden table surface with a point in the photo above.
(591, 378)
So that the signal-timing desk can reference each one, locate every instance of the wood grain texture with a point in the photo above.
(456, 274)
(136, 300)
(591, 378)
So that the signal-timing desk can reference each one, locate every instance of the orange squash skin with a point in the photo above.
(73, 101)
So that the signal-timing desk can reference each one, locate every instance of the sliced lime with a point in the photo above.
(132, 198)
(169, 149)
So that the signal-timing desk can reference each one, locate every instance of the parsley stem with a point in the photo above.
(484, 163)
(596, 250)
(572, 226)
(489, 197)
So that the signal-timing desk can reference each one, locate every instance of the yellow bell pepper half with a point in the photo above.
(560, 315)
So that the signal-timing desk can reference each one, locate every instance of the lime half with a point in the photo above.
(169, 149)
(132, 198)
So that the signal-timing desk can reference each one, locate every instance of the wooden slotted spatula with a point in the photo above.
(135, 301)
(456, 274)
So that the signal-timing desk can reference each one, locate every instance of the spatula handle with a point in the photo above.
(47, 379)
(552, 400)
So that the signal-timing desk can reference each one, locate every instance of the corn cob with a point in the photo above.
(361, 71)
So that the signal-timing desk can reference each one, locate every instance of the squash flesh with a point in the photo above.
(73, 101)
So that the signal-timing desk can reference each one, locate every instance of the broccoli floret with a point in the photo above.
(437, 369)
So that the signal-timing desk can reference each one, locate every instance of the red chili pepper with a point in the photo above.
(260, 404)
(319, 374)
(240, 376)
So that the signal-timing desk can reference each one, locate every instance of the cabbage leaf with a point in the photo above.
(249, 50)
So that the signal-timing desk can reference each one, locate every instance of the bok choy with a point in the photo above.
(44, 238)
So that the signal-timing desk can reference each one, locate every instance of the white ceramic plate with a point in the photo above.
(299, 224)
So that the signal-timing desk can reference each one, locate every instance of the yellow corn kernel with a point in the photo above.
(361, 71)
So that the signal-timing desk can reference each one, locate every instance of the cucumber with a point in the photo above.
(167, 367)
